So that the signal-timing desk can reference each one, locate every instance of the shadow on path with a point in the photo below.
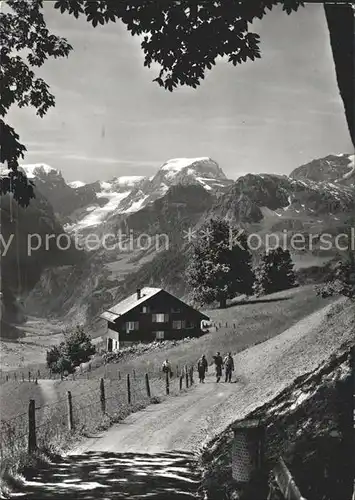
(106, 476)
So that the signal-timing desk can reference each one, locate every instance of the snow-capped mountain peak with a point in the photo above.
(76, 184)
(35, 169)
(177, 168)
(127, 180)
(201, 171)
(176, 165)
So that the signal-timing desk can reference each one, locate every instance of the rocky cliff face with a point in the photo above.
(51, 184)
(339, 169)
(285, 197)
(34, 240)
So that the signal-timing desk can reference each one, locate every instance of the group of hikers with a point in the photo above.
(202, 367)
(227, 363)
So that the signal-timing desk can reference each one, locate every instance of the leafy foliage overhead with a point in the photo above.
(184, 37)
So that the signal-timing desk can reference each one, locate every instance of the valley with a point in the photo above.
(73, 286)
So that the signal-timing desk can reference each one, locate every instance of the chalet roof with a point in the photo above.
(131, 302)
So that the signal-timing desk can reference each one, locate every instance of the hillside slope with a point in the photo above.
(309, 424)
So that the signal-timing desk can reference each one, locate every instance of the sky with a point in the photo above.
(111, 119)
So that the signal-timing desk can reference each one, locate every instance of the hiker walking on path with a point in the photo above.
(202, 367)
(218, 361)
(229, 366)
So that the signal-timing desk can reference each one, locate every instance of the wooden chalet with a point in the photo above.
(150, 314)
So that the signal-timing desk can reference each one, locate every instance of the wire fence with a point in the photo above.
(83, 411)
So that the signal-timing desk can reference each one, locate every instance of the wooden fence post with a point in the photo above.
(7, 378)
(119, 375)
(23, 377)
(191, 375)
(167, 375)
(70, 412)
(29, 376)
(186, 377)
(181, 380)
(102, 396)
(128, 389)
(134, 374)
(147, 384)
(15, 376)
(39, 374)
(32, 443)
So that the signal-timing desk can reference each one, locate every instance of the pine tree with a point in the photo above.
(221, 265)
(274, 273)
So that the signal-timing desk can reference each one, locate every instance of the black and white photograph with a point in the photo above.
(177, 250)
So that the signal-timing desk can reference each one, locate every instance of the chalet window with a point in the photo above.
(159, 335)
(160, 318)
(178, 324)
(175, 309)
(145, 309)
(132, 325)
(190, 324)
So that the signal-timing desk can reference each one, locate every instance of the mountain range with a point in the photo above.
(80, 206)
(315, 197)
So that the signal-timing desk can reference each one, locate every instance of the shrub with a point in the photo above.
(77, 348)
(341, 281)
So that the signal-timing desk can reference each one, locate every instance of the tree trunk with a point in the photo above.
(340, 20)
(222, 303)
